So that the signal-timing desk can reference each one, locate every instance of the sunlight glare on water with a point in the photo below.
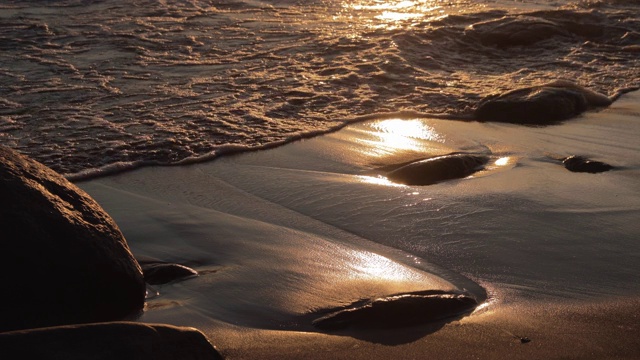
(399, 135)
(393, 14)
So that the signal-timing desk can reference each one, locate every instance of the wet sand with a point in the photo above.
(277, 234)
(592, 330)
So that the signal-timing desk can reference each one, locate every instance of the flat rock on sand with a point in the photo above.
(576, 163)
(397, 311)
(63, 259)
(436, 169)
(115, 340)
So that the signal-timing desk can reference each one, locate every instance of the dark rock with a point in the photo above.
(64, 260)
(581, 164)
(156, 272)
(584, 24)
(540, 105)
(114, 340)
(432, 170)
(515, 31)
(398, 311)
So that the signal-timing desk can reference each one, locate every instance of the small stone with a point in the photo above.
(576, 163)
(156, 273)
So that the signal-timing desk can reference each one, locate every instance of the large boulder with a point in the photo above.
(63, 260)
(115, 340)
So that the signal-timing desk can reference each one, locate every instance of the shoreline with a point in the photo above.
(233, 149)
(278, 233)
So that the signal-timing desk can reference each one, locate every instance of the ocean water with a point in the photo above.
(91, 87)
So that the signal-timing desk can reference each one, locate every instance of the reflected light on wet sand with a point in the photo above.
(392, 136)
(379, 180)
(366, 265)
(502, 161)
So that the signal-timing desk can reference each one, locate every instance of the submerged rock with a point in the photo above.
(115, 340)
(581, 164)
(157, 272)
(540, 105)
(515, 31)
(63, 259)
(433, 170)
(398, 311)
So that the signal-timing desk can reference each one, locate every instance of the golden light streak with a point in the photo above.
(379, 180)
(367, 265)
(396, 135)
(391, 13)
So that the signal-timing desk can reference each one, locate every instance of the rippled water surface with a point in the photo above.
(92, 84)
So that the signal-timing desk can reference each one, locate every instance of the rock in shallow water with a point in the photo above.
(398, 310)
(581, 164)
(116, 340)
(515, 31)
(433, 170)
(540, 105)
(63, 259)
(157, 272)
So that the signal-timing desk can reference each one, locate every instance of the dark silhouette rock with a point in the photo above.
(432, 170)
(397, 311)
(114, 340)
(581, 164)
(63, 259)
(157, 272)
(540, 105)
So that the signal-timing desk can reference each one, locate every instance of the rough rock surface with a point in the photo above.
(63, 259)
(115, 340)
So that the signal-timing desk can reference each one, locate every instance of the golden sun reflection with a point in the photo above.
(366, 265)
(502, 161)
(379, 180)
(392, 12)
(396, 135)
(397, 16)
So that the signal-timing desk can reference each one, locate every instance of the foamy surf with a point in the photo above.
(95, 87)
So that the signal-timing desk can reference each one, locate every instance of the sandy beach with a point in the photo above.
(277, 234)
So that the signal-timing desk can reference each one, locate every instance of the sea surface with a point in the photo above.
(92, 87)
